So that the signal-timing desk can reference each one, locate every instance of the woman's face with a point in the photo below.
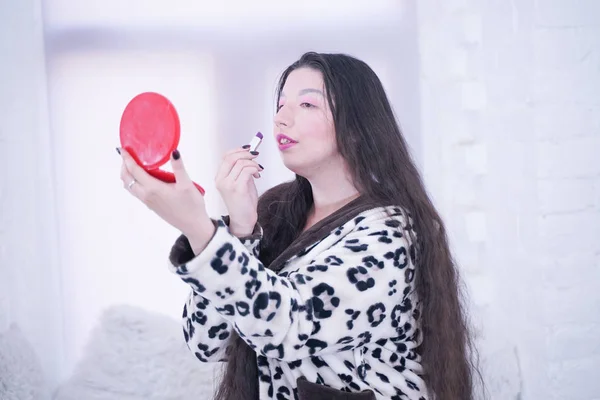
(305, 119)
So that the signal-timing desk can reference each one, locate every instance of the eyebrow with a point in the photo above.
(305, 91)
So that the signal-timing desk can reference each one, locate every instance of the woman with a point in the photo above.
(339, 284)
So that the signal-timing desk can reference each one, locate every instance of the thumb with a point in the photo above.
(181, 175)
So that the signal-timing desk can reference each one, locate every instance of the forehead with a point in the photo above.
(302, 78)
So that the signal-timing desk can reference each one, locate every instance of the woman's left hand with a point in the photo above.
(180, 204)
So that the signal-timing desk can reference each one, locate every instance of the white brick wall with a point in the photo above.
(566, 195)
(568, 157)
(567, 43)
(511, 126)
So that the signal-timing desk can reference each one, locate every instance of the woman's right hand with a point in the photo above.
(235, 183)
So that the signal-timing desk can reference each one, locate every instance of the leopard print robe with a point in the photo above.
(341, 311)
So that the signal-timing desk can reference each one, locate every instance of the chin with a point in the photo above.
(305, 169)
(294, 164)
(294, 167)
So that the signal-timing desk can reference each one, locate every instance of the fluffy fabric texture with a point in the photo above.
(312, 391)
(133, 355)
(342, 311)
(21, 375)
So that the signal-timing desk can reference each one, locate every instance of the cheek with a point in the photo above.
(320, 131)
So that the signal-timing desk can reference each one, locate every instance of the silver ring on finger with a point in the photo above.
(133, 182)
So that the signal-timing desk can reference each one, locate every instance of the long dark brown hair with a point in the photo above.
(370, 141)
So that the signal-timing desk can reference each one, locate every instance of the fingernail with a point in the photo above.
(118, 150)
(254, 153)
(176, 154)
(261, 167)
(246, 146)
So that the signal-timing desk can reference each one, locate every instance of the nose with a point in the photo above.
(283, 118)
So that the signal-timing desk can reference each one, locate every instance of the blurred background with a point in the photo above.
(497, 99)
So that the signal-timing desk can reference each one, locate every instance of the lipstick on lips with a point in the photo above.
(284, 141)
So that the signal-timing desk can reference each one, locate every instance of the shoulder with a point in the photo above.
(377, 236)
(384, 216)
(388, 225)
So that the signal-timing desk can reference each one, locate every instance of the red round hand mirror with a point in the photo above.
(150, 131)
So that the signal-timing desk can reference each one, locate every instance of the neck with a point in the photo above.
(332, 188)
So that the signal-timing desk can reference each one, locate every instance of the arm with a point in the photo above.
(307, 312)
(252, 241)
(205, 331)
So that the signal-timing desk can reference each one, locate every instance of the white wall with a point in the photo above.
(29, 271)
(511, 131)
